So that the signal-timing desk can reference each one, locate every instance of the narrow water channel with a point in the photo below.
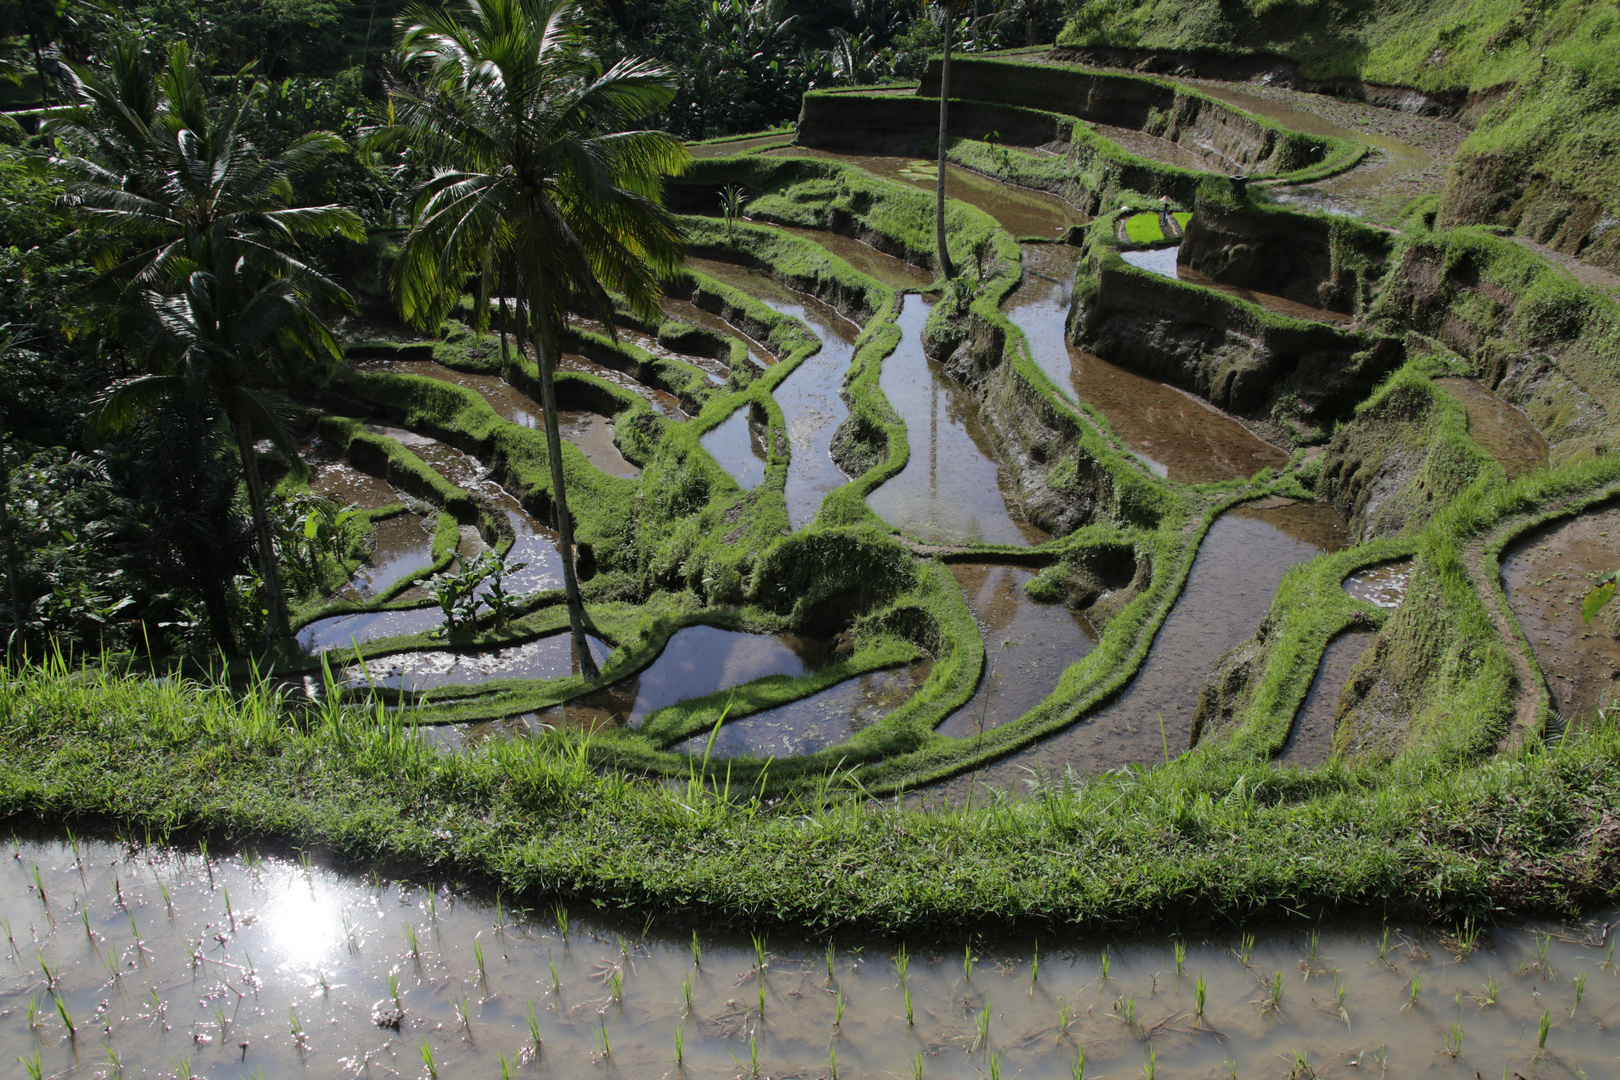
(1230, 589)
(243, 964)
(1310, 741)
(809, 397)
(1177, 434)
(738, 445)
(952, 490)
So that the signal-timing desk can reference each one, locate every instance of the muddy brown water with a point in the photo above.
(591, 432)
(1163, 261)
(953, 490)
(824, 719)
(548, 657)
(697, 660)
(1310, 740)
(257, 965)
(739, 447)
(1499, 428)
(1545, 575)
(809, 397)
(1165, 151)
(1177, 434)
(1021, 211)
(1383, 585)
(1028, 646)
(1230, 589)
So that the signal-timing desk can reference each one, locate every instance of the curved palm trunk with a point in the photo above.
(275, 599)
(565, 523)
(14, 640)
(944, 102)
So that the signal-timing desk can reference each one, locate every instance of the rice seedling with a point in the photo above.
(1274, 995)
(1541, 950)
(1127, 1010)
(902, 961)
(478, 954)
(697, 951)
(39, 886)
(1545, 1027)
(1414, 988)
(759, 953)
(910, 1022)
(680, 1042)
(462, 1012)
(1245, 948)
(967, 962)
(67, 1017)
(753, 1053)
(226, 893)
(1064, 1018)
(615, 981)
(393, 987)
(1103, 965)
(1150, 1064)
(500, 913)
(33, 1012)
(1078, 1070)
(1313, 944)
(832, 1061)
(1467, 937)
(838, 1010)
(761, 987)
(994, 1064)
(115, 1066)
(560, 913)
(534, 1030)
(1454, 1041)
(556, 980)
(1198, 996)
(134, 931)
(1580, 992)
(413, 942)
(1491, 989)
(604, 1044)
(33, 1067)
(295, 1027)
(427, 1060)
(168, 901)
(84, 917)
(981, 1024)
(109, 961)
(686, 991)
(1035, 967)
(1180, 949)
(829, 961)
(182, 1069)
(10, 937)
(1383, 944)
(916, 1065)
(506, 1068)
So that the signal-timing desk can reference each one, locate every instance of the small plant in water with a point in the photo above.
(994, 1064)
(1180, 948)
(1150, 1064)
(916, 1065)
(686, 991)
(33, 1067)
(909, 1020)
(1580, 992)
(1102, 966)
(1454, 1041)
(411, 940)
(1414, 988)
(838, 1010)
(1127, 1010)
(1035, 967)
(902, 961)
(1274, 995)
(967, 962)
(560, 913)
(1079, 1070)
(1245, 948)
(982, 1024)
(603, 1043)
(534, 1031)
(1198, 996)
(680, 1042)
(67, 1018)
(427, 1059)
(697, 951)
(1541, 1034)
(1490, 990)
(830, 955)
(1063, 1016)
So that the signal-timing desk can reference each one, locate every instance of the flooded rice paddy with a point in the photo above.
(1162, 261)
(809, 397)
(1230, 589)
(953, 489)
(697, 660)
(549, 657)
(828, 718)
(1310, 742)
(1176, 434)
(1383, 585)
(137, 961)
(738, 445)
(341, 631)
(1028, 646)
(1545, 575)
(1499, 428)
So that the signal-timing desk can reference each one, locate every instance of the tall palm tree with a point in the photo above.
(949, 9)
(541, 185)
(201, 281)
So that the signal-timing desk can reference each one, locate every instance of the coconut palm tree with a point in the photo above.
(201, 281)
(540, 184)
(948, 8)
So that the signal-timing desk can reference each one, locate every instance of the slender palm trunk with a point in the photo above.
(14, 640)
(944, 101)
(559, 499)
(275, 599)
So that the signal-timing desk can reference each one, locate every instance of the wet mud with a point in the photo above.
(664, 403)
(825, 719)
(952, 490)
(688, 312)
(1310, 741)
(305, 970)
(812, 407)
(1162, 261)
(1499, 428)
(697, 660)
(1021, 211)
(1165, 151)
(1028, 646)
(1546, 575)
(1178, 435)
(1230, 589)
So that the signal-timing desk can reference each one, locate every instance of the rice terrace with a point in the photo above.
(857, 538)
